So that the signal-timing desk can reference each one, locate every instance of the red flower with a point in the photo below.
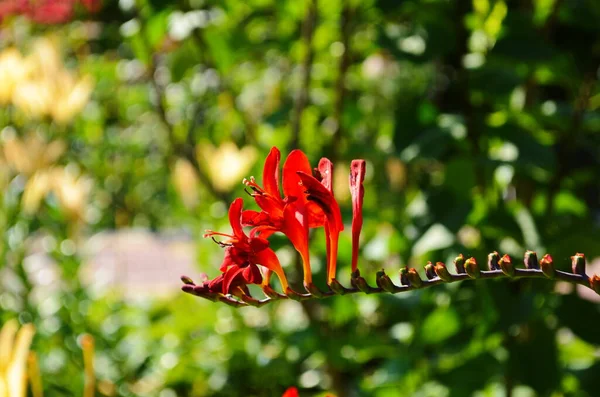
(307, 202)
(46, 11)
(242, 255)
(291, 392)
(51, 12)
(321, 193)
(292, 214)
(357, 176)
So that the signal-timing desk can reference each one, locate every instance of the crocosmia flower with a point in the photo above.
(303, 200)
(243, 254)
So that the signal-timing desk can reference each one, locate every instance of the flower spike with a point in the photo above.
(304, 200)
(357, 176)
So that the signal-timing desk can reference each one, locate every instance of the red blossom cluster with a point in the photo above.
(307, 202)
(46, 11)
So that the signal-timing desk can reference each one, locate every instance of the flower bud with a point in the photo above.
(459, 262)
(337, 287)
(384, 282)
(506, 265)
(547, 266)
(404, 276)
(293, 295)
(530, 260)
(442, 272)
(250, 300)
(186, 280)
(493, 259)
(313, 290)
(429, 271)
(271, 293)
(471, 268)
(413, 278)
(578, 264)
(361, 284)
(595, 283)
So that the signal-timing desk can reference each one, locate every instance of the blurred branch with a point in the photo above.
(308, 30)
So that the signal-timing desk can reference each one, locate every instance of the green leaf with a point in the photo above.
(441, 324)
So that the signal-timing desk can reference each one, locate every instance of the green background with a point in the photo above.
(480, 125)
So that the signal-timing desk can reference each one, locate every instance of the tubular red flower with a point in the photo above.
(293, 214)
(357, 190)
(243, 254)
(321, 195)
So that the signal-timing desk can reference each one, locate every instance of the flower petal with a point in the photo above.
(258, 244)
(251, 275)
(254, 218)
(318, 193)
(326, 171)
(295, 227)
(357, 176)
(268, 259)
(235, 218)
(291, 392)
(271, 172)
(296, 161)
(232, 278)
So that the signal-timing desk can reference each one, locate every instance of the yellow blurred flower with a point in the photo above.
(35, 190)
(227, 165)
(12, 72)
(14, 351)
(186, 183)
(40, 85)
(71, 97)
(31, 153)
(71, 190)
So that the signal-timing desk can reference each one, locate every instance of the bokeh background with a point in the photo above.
(127, 127)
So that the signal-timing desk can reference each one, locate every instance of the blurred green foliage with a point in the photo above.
(480, 124)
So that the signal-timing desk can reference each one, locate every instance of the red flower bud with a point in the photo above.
(472, 269)
(578, 264)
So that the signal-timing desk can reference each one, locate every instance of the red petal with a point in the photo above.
(268, 259)
(319, 194)
(291, 392)
(232, 278)
(254, 218)
(316, 216)
(258, 244)
(357, 190)
(264, 231)
(271, 172)
(296, 161)
(251, 275)
(326, 171)
(270, 204)
(215, 285)
(235, 218)
(228, 260)
(295, 227)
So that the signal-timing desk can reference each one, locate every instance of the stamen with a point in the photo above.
(220, 243)
(210, 233)
(251, 183)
